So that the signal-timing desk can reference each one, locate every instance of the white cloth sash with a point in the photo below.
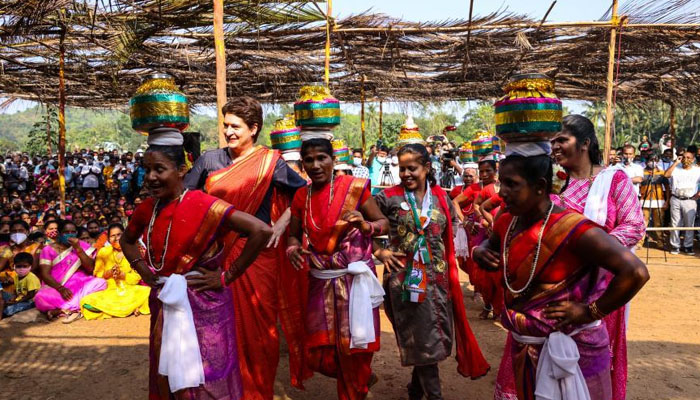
(596, 208)
(559, 377)
(366, 294)
(461, 243)
(180, 357)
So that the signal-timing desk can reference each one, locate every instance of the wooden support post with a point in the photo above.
(62, 124)
(672, 128)
(381, 114)
(327, 67)
(220, 48)
(609, 115)
(362, 115)
(48, 129)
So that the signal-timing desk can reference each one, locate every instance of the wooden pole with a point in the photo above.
(62, 123)
(327, 67)
(362, 115)
(672, 128)
(609, 115)
(220, 48)
(48, 129)
(381, 114)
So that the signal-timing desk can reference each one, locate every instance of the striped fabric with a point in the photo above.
(625, 220)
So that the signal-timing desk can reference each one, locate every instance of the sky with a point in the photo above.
(440, 10)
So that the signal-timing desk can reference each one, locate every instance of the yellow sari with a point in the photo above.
(121, 298)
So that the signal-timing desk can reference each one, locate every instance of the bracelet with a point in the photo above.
(595, 311)
(371, 229)
(135, 260)
(223, 279)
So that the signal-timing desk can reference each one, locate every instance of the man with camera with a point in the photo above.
(684, 195)
(632, 169)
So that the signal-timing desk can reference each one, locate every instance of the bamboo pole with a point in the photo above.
(48, 129)
(609, 115)
(327, 67)
(672, 128)
(220, 48)
(362, 115)
(381, 114)
(62, 123)
(444, 29)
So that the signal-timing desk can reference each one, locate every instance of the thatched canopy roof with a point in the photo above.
(275, 47)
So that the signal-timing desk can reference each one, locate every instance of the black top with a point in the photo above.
(283, 178)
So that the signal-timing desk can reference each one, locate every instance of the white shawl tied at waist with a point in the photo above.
(559, 377)
(366, 294)
(180, 357)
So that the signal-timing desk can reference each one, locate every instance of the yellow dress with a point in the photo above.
(120, 299)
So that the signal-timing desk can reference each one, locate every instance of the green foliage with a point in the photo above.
(651, 119)
(39, 136)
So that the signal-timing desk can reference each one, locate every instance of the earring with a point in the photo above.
(539, 192)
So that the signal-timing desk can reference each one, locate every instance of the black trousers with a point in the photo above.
(425, 381)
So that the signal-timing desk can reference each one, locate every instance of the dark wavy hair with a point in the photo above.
(423, 158)
(582, 129)
(248, 109)
(322, 144)
(532, 168)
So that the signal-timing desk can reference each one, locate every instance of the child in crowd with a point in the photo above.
(26, 284)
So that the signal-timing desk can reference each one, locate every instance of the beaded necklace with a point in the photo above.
(307, 208)
(506, 242)
(167, 235)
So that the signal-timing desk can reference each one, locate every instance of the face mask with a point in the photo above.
(94, 234)
(18, 238)
(395, 160)
(64, 238)
(381, 159)
(52, 234)
(357, 161)
(23, 271)
(651, 165)
(129, 212)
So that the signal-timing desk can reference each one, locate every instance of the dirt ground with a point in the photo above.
(109, 359)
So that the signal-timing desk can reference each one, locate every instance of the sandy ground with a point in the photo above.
(109, 359)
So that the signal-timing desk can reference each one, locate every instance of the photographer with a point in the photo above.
(684, 196)
(380, 167)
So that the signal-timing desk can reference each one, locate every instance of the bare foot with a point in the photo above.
(484, 314)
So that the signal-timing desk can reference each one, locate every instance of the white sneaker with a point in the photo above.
(675, 251)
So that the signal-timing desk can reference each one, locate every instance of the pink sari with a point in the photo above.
(65, 269)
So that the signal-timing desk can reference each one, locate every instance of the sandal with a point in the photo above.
(72, 317)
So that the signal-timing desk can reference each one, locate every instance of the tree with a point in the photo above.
(42, 138)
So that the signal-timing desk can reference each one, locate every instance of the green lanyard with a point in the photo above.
(421, 244)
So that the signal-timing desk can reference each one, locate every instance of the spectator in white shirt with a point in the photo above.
(684, 195)
(632, 169)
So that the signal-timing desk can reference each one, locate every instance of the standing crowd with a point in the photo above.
(250, 239)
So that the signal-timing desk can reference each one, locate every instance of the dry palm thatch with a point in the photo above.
(274, 47)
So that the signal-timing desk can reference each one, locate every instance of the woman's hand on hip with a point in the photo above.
(208, 280)
(568, 313)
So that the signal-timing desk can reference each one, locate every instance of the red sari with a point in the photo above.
(190, 226)
(486, 282)
(269, 288)
(334, 245)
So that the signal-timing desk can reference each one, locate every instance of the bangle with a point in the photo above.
(595, 311)
(371, 229)
(135, 260)
(223, 279)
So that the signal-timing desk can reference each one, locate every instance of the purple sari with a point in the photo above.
(65, 269)
(559, 276)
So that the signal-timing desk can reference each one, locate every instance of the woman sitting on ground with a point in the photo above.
(123, 296)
